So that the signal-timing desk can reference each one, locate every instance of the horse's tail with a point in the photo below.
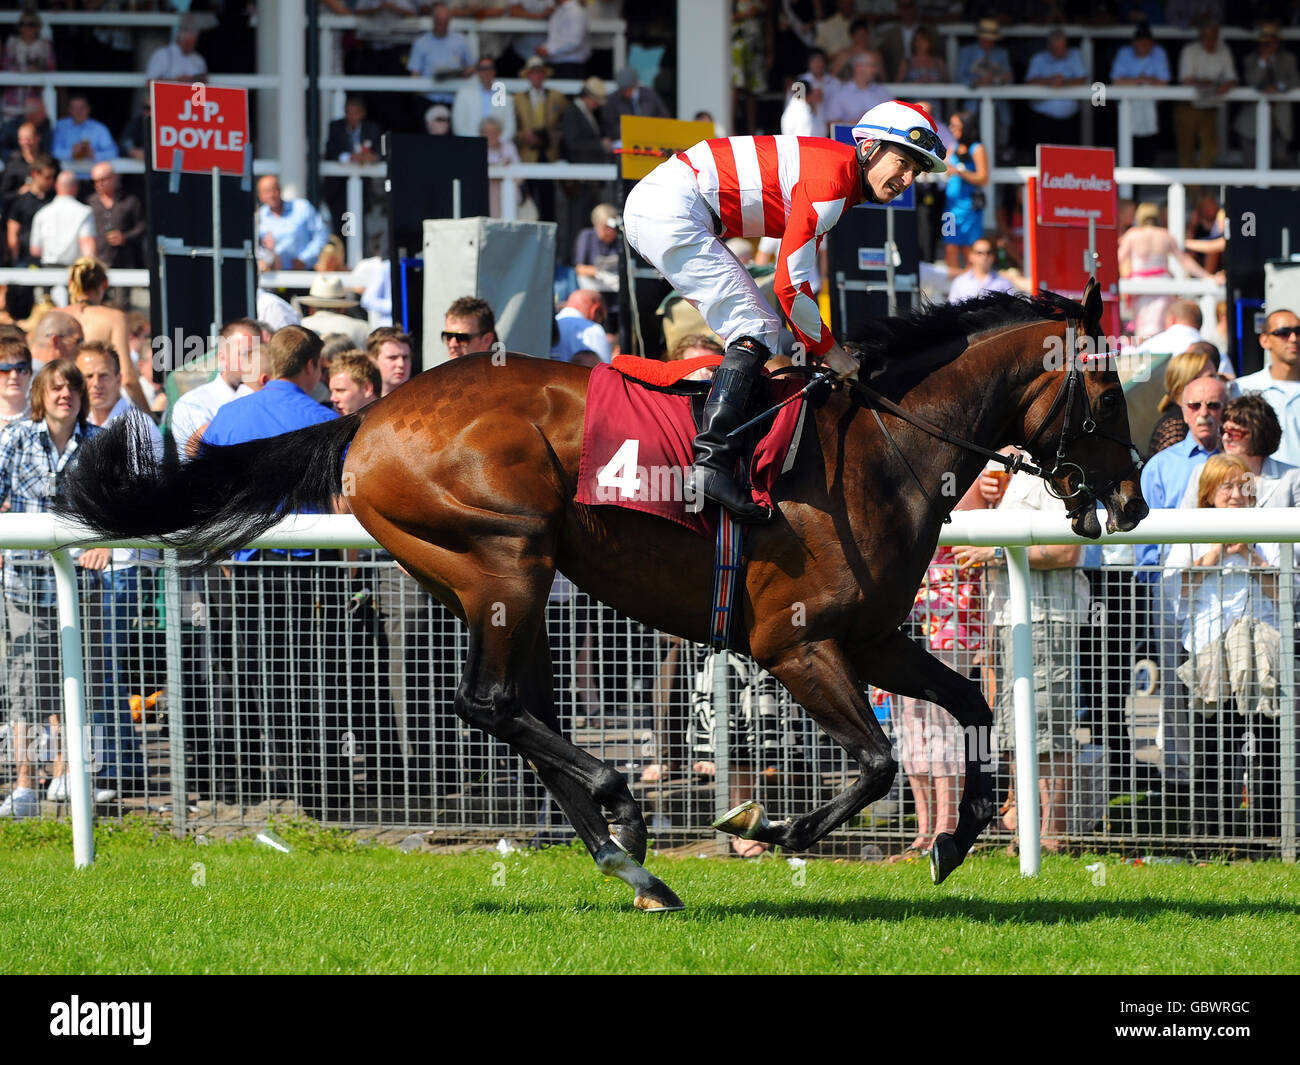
(222, 498)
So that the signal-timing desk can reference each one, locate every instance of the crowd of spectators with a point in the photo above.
(801, 66)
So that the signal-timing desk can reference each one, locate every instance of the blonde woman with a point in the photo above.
(1227, 597)
(1180, 371)
(87, 284)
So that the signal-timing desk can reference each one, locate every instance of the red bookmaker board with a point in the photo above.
(1073, 186)
(208, 125)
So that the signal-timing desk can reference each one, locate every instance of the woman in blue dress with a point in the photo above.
(968, 173)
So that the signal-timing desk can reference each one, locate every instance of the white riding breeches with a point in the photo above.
(667, 222)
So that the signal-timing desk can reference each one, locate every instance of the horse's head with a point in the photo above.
(1076, 425)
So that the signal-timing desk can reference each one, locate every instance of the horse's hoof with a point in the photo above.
(944, 857)
(744, 820)
(658, 897)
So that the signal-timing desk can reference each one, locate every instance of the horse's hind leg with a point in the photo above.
(820, 677)
(903, 667)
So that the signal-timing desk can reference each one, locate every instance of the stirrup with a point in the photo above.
(717, 487)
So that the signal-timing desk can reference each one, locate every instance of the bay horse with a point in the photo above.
(468, 472)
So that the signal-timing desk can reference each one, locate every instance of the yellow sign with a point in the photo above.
(647, 142)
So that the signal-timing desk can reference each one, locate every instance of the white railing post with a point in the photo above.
(76, 734)
(176, 691)
(1287, 695)
(1176, 211)
(356, 210)
(1124, 141)
(1026, 740)
(1088, 124)
(1263, 144)
(989, 138)
(721, 678)
(509, 197)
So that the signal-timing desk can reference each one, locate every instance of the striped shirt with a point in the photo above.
(30, 471)
(795, 188)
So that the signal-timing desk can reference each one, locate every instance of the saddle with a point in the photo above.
(670, 378)
(638, 434)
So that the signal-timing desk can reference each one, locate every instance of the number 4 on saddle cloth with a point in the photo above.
(640, 423)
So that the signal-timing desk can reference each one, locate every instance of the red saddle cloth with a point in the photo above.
(637, 441)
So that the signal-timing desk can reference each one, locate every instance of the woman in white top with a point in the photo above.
(1219, 583)
(1227, 596)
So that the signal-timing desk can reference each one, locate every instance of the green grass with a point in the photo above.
(153, 905)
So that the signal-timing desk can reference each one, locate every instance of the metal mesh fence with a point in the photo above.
(324, 686)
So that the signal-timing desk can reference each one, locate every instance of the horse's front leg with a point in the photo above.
(821, 679)
(903, 667)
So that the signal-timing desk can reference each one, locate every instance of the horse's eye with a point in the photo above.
(1106, 403)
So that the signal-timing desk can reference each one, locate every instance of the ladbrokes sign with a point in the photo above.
(1076, 185)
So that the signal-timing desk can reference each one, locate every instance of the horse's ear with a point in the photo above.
(1092, 304)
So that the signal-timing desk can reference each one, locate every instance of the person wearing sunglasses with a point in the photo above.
(15, 380)
(469, 326)
(1279, 380)
(1252, 433)
(796, 188)
(981, 277)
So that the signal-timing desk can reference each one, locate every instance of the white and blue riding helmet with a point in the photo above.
(896, 122)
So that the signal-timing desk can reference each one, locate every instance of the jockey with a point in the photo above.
(795, 188)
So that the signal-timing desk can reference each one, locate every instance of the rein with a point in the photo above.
(1083, 495)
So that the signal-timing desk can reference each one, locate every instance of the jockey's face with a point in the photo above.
(889, 171)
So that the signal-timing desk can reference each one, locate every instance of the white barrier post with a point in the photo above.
(356, 205)
(989, 138)
(721, 740)
(1124, 142)
(75, 733)
(1287, 717)
(1026, 745)
(1263, 146)
(1176, 212)
(509, 197)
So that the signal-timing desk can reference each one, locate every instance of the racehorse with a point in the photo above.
(467, 474)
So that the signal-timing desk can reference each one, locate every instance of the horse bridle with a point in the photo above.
(1084, 494)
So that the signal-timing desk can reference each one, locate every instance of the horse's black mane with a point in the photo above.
(932, 324)
(904, 350)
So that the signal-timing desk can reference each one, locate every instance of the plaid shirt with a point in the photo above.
(30, 469)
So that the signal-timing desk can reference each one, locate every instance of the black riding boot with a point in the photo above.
(714, 473)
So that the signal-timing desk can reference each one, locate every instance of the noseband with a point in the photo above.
(1084, 495)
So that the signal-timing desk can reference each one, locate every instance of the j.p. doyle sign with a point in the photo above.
(207, 125)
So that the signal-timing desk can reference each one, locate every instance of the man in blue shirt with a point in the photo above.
(1279, 381)
(441, 53)
(1056, 118)
(1164, 480)
(286, 609)
(80, 141)
(1142, 63)
(290, 231)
